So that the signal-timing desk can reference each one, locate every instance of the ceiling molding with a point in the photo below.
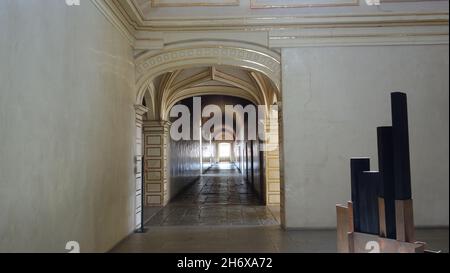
(136, 18)
(405, 35)
(282, 31)
(255, 23)
(270, 4)
(116, 18)
(193, 3)
(126, 11)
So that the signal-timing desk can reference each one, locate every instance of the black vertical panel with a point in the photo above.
(368, 185)
(262, 177)
(246, 161)
(387, 186)
(400, 135)
(357, 166)
(252, 164)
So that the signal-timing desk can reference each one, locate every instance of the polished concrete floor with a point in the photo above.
(220, 213)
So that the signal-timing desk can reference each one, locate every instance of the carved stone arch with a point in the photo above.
(178, 56)
(259, 83)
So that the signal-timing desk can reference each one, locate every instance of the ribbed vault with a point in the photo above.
(172, 87)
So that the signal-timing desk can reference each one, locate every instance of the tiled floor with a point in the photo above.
(221, 185)
(220, 213)
(220, 198)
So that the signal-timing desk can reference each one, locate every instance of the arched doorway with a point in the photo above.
(204, 68)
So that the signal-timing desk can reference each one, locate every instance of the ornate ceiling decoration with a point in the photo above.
(172, 87)
(151, 25)
(262, 14)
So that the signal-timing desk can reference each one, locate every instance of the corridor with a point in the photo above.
(220, 197)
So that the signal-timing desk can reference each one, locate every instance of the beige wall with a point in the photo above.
(66, 128)
(334, 98)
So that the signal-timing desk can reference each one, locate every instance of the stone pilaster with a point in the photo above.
(281, 162)
(140, 112)
(272, 159)
(156, 141)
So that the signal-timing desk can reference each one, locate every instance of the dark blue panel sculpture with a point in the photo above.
(382, 202)
(387, 186)
(368, 187)
(400, 136)
(357, 166)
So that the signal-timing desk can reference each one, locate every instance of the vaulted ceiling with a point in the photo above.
(175, 86)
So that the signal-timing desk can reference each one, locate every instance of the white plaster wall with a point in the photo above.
(66, 128)
(333, 100)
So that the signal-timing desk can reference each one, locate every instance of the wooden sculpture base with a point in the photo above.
(405, 220)
(349, 241)
(344, 226)
(367, 243)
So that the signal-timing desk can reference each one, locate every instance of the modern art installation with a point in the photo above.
(379, 217)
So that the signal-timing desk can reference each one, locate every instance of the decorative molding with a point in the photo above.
(249, 57)
(194, 3)
(253, 23)
(360, 36)
(141, 109)
(361, 29)
(117, 19)
(133, 17)
(270, 4)
(156, 175)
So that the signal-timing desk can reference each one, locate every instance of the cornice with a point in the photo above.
(398, 35)
(197, 3)
(141, 109)
(285, 31)
(119, 20)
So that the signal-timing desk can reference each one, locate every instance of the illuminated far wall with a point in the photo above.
(224, 152)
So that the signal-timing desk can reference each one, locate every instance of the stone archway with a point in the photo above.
(156, 74)
(177, 56)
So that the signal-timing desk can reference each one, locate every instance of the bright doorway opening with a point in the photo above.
(224, 152)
